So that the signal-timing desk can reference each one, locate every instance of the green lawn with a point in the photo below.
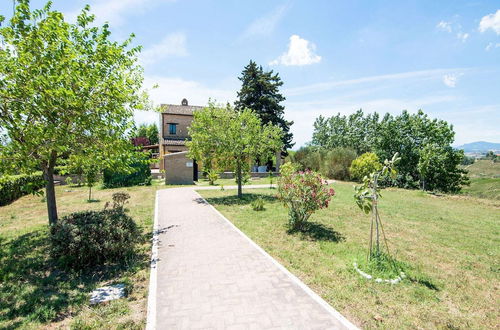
(35, 293)
(484, 180)
(451, 245)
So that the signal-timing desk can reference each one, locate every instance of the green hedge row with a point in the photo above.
(14, 186)
(139, 175)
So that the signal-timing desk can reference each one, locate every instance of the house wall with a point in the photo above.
(182, 121)
(177, 169)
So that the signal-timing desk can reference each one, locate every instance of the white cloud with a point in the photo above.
(325, 86)
(300, 52)
(451, 79)
(174, 44)
(491, 21)
(462, 36)
(265, 25)
(114, 11)
(491, 46)
(445, 26)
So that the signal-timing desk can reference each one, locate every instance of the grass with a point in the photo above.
(485, 180)
(448, 245)
(35, 293)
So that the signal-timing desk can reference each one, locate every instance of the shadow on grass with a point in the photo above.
(34, 289)
(246, 199)
(317, 232)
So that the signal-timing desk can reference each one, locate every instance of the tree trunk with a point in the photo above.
(90, 193)
(50, 195)
(238, 178)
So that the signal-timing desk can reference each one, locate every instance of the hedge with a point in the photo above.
(139, 175)
(14, 186)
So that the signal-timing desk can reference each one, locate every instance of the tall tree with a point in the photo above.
(149, 131)
(225, 138)
(260, 92)
(63, 88)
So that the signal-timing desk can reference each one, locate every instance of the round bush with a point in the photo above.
(364, 165)
(89, 238)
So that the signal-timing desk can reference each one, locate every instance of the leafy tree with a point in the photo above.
(63, 88)
(260, 92)
(405, 134)
(226, 138)
(439, 168)
(149, 131)
(364, 165)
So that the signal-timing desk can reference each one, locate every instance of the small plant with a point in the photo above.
(69, 181)
(270, 179)
(258, 204)
(302, 193)
(366, 196)
(120, 199)
(212, 176)
(222, 187)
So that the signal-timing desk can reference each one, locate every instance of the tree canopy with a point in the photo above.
(406, 134)
(149, 131)
(64, 88)
(260, 92)
(222, 137)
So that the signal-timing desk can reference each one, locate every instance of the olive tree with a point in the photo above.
(63, 88)
(225, 138)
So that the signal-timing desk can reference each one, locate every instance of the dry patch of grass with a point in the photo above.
(34, 293)
(451, 248)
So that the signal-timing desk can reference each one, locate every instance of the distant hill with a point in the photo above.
(480, 147)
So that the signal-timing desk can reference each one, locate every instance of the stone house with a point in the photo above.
(174, 122)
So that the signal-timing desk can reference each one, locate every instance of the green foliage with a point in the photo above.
(260, 92)
(136, 173)
(364, 165)
(333, 164)
(212, 176)
(440, 169)
(149, 131)
(257, 204)
(15, 186)
(468, 160)
(85, 239)
(302, 193)
(226, 138)
(406, 134)
(367, 194)
(64, 88)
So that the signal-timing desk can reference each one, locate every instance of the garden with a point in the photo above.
(446, 245)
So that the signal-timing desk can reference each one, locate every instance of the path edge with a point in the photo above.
(153, 274)
(332, 311)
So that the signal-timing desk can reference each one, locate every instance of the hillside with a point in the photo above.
(484, 180)
(480, 147)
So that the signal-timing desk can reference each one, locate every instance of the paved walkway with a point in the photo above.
(208, 275)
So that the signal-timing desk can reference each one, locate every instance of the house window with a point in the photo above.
(172, 129)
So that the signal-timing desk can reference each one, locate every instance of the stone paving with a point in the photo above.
(210, 276)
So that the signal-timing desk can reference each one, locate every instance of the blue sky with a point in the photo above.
(333, 56)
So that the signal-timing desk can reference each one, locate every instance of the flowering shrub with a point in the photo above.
(302, 193)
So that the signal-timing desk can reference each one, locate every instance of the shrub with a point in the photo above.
(302, 193)
(212, 176)
(258, 204)
(14, 186)
(336, 162)
(364, 165)
(89, 238)
(138, 173)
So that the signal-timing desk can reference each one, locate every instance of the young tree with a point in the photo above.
(225, 138)
(260, 92)
(63, 87)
